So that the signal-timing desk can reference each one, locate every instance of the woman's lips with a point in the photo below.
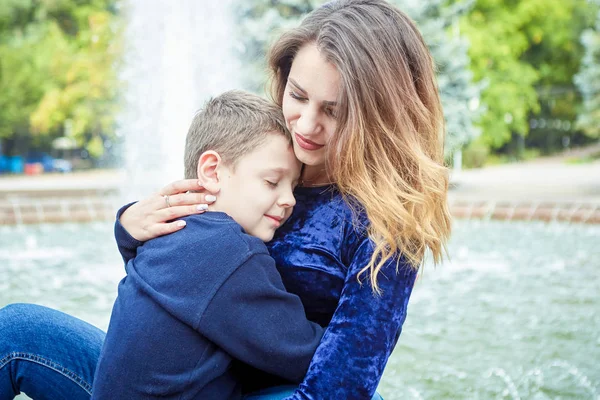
(307, 144)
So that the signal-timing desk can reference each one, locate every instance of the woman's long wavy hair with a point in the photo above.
(387, 153)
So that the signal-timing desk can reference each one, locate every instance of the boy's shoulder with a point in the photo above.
(210, 234)
(196, 260)
(219, 228)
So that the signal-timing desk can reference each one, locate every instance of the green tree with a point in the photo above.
(588, 80)
(439, 24)
(261, 22)
(58, 63)
(22, 68)
(528, 52)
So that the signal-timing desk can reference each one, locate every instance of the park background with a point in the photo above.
(519, 79)
(512, 314)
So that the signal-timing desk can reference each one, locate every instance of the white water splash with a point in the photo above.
(415, 393)
(511, 388)
(582, 380)
(178, 54)
(534, 380)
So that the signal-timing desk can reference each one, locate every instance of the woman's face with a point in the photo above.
(310, 104)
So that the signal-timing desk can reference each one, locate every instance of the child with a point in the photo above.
(196, 301)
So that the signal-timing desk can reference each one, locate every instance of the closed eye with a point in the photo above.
(331, 112)
(296, 96)
(272, 184)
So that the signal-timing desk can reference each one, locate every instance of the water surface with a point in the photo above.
(515, 314)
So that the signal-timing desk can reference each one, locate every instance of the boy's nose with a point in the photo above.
(287, 201)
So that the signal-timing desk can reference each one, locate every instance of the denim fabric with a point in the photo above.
(46, 354)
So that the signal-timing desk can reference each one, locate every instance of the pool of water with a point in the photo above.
(515, 313)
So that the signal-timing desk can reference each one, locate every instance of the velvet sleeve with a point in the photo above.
(365, 327)
(126, 243)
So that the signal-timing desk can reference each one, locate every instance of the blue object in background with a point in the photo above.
(45, 159)
(16, 164)
(3, 164)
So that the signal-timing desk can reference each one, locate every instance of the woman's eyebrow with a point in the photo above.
(325, 102)
(297, 85)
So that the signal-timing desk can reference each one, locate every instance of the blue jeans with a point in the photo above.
(51, 355)
(46, 354)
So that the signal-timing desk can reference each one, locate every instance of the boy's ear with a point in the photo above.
(208, 170)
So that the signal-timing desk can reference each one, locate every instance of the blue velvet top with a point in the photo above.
(319, 252)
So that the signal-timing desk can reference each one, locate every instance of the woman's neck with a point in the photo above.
(313, 176)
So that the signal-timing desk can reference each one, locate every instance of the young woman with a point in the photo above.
(357, 88)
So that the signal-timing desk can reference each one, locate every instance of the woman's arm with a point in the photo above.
(352, 355)
(126, 243)
(153, 217)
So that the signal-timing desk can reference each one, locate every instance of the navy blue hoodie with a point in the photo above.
(191, 304)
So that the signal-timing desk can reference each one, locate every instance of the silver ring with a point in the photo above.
(167, 200)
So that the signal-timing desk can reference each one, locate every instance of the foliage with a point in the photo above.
(475, 155)
(438, 23)
(58, 67)
(528, 52)
(588, 81)
(263, 20)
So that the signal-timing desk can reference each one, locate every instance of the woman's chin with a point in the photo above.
(310, 158)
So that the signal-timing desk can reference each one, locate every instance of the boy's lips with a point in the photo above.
(307, 144)
(275, 218)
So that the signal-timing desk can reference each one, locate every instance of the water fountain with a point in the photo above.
(178, 55)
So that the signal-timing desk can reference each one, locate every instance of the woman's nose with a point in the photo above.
(308, 122)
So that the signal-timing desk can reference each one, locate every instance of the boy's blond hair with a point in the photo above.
(232, 124)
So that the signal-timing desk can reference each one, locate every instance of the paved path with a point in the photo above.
(544, 189)
(50, 184)
(535, 181)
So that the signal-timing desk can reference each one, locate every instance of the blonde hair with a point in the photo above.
(387, 153)
(232, 124)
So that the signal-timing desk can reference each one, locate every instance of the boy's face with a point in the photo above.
(257, 194)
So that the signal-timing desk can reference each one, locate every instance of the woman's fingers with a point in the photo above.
(182, 186)
(162, 227)
(158, 214)
(189, 199)
(166, 228)
(171, 213)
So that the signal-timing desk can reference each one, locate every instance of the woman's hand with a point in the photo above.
(157, 215)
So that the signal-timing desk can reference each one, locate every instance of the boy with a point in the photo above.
(195, 301)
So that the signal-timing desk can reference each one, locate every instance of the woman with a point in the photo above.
(357, 88)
